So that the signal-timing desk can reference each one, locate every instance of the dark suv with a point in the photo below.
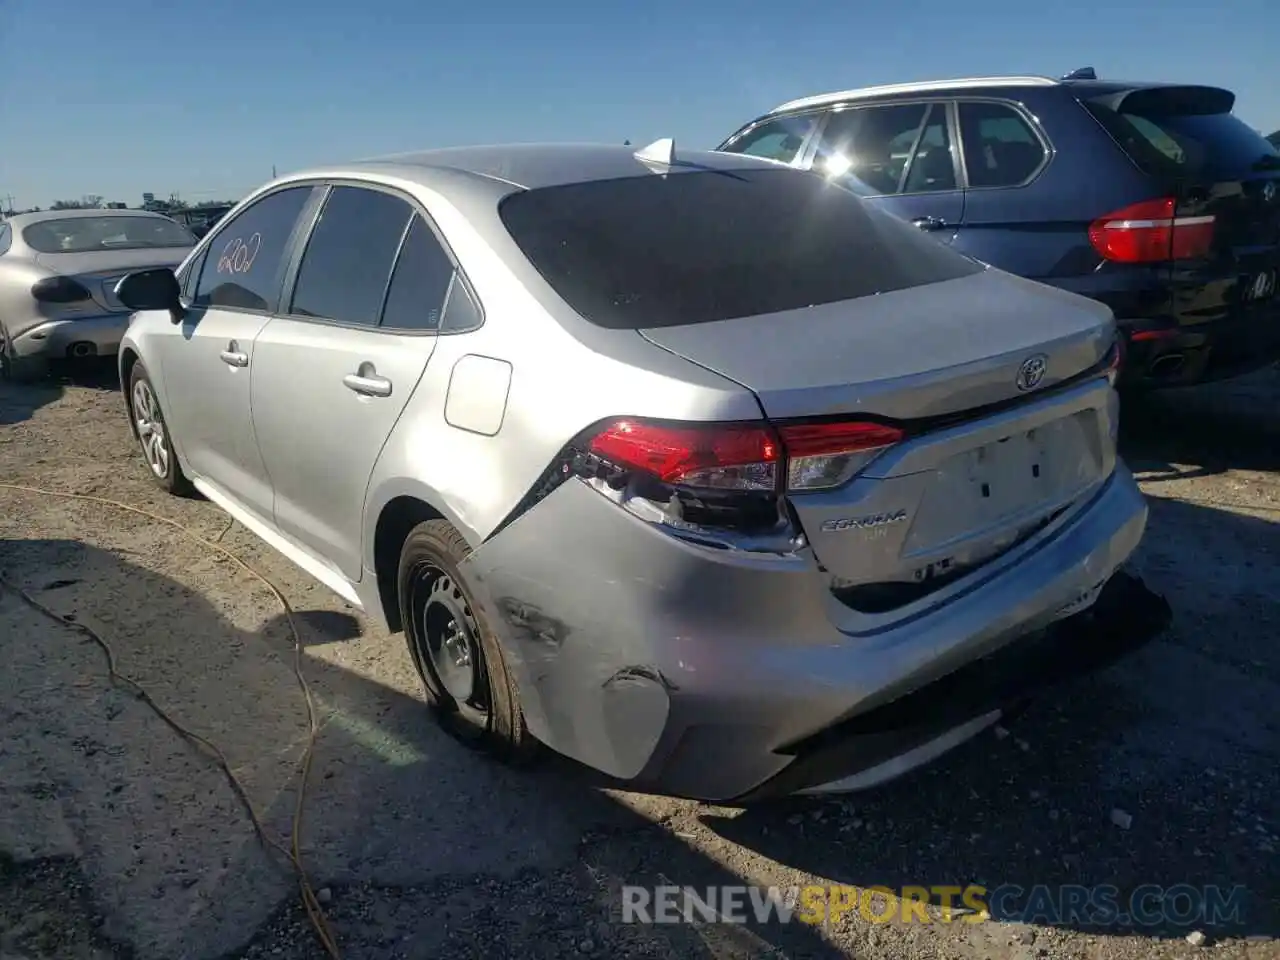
(1153, 198)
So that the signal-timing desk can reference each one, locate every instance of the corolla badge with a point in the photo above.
(1031, 372)
(869, 522)
(1268, 191)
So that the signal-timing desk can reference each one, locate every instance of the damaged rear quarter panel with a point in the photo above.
(616, 632)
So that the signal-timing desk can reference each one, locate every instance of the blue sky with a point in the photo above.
(105, 96)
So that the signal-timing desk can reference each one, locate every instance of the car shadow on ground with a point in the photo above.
(20, 401)
(1159, 771)
(459, 853)
(1208, 429)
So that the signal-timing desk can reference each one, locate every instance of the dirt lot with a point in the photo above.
(119, 839)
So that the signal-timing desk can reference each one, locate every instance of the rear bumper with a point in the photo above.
(724, 677)
(1174, 356)
(1125, 617)
(56, 339)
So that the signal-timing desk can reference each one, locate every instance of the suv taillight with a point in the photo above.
(59, 290)
(745, 457)
(1148, 232)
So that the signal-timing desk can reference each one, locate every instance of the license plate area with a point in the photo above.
(981, 493)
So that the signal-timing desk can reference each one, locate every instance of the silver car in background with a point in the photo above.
(692, 467)
(58, 271)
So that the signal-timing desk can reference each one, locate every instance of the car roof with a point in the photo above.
(532, 165)
(19, 220)
(1082, 87)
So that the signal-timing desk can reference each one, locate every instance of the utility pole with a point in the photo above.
(8, 203)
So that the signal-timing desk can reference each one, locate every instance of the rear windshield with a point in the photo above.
(657, 251)
(1209, 146)
(86, 234)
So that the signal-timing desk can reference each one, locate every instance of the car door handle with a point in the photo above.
(929, 223)
(233, 357)
(367, 385)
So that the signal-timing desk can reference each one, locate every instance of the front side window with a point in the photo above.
(243, 262)
(415, 298)
(91, 234)
(1000, 148)
(900, 148)
(746, 242)
(348, 261)
(779, 139)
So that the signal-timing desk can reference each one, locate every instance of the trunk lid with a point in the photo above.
(929, 351)
(967, 483)
(100, 271)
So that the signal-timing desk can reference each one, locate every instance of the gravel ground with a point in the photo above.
(120, 839)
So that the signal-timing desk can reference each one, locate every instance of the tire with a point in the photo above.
(148, 421)
(468, 686)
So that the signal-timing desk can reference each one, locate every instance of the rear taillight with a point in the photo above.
(1148, 232)
(825, 455)
(59, 290)
(744, 457)
(733, 457)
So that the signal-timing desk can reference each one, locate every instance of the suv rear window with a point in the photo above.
(1183, 137)
(658, 251)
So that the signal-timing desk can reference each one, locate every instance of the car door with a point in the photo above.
(900, 158)
(335, 369)
(1007, 221)
(207, 364)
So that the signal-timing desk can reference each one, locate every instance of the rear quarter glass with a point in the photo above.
(650, 251)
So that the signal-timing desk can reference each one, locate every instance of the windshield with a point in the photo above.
(87, 234)
(656, 251)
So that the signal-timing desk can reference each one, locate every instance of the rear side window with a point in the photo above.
(415, 299)
(242, 266)
(1000, 148)
(348, 261)
(779, 139)
(657, 251)
(1174, 137)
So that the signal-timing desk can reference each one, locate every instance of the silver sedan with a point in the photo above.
(692, 467)
(58, 271)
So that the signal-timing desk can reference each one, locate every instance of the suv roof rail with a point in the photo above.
(1083, 73)
(919, 86)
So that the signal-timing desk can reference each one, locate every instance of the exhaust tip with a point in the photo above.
(1167, 366)
(82, 349)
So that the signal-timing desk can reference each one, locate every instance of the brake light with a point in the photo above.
(59, 290)
(745, 457)
(1148, 232)
(724, 457)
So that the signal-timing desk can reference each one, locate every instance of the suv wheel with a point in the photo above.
(458, 659)
(153, 434)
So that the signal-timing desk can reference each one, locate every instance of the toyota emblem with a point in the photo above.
(1031, 372)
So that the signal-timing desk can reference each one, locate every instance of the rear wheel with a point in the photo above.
(458, 659)
(153, 434)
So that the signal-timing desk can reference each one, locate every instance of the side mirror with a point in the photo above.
(152, 290)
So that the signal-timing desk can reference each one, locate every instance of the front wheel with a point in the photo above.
(153, 434)
(458, 659)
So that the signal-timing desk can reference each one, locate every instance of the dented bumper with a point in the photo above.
(727, 677)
